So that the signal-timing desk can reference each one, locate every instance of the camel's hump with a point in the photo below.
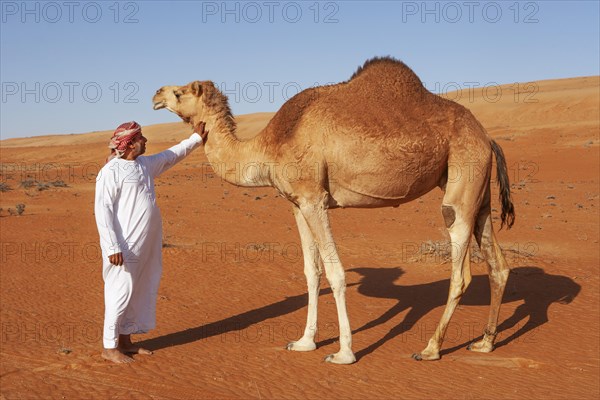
(384, 68)
(382, 89)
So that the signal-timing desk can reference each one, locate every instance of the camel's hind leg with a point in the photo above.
(460, 231)
(312, 271)
(460, 207)
(498, 273)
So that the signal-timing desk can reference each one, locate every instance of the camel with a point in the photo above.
(379, 139)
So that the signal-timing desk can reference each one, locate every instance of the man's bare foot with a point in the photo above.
(116, 356)
(133, 349)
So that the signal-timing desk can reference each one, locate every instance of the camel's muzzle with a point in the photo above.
(159, 105)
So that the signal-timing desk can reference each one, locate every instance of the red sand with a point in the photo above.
(233, 291)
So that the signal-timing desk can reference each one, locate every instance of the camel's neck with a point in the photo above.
(242, 163)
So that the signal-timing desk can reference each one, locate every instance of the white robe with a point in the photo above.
(129, 221)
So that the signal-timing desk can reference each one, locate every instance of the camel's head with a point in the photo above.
(185, 101)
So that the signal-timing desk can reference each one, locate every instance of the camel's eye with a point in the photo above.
(177, 94)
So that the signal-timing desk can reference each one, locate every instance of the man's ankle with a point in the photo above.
(112, 350)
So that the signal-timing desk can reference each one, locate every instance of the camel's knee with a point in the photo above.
(499, 277)
(457, 293)
(449, 215)
(458, 288)
(337, 282)
(312, 271)
(312, 281)
(337, 285)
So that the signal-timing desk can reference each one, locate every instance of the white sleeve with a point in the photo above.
(159, 163)
(106, 196)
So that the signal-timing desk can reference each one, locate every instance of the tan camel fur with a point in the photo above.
(379, 139)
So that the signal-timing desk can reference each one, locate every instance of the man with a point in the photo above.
(130, 228)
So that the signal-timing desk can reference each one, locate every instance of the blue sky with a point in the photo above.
(71, 67)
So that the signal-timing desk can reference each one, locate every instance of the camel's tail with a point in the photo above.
(508, 210)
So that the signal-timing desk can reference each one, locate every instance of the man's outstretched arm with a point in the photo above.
(159, 163)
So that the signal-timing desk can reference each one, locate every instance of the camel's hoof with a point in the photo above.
(425, 357)
(341, 358)
(481, 347)
(300, 346)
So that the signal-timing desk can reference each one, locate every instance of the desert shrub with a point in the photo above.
(59, 183)
(28, 183)
(20, 208)
(4, 187)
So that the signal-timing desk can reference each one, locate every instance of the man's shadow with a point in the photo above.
(531, 285)
(231, 324)
(537, 289)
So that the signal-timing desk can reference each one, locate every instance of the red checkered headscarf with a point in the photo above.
(123, 136)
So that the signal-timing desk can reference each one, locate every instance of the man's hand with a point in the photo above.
(116, 259)
(200, 130)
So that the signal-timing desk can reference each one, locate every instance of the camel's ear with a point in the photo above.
(196, 87)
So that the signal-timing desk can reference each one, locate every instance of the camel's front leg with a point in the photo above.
(312, 270)
(316, 217)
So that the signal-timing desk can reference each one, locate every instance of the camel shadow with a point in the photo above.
(531, 285)
(537, 289)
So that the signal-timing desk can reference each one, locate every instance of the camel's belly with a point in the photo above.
(369, 184)
(379, 192)
(345, 198)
